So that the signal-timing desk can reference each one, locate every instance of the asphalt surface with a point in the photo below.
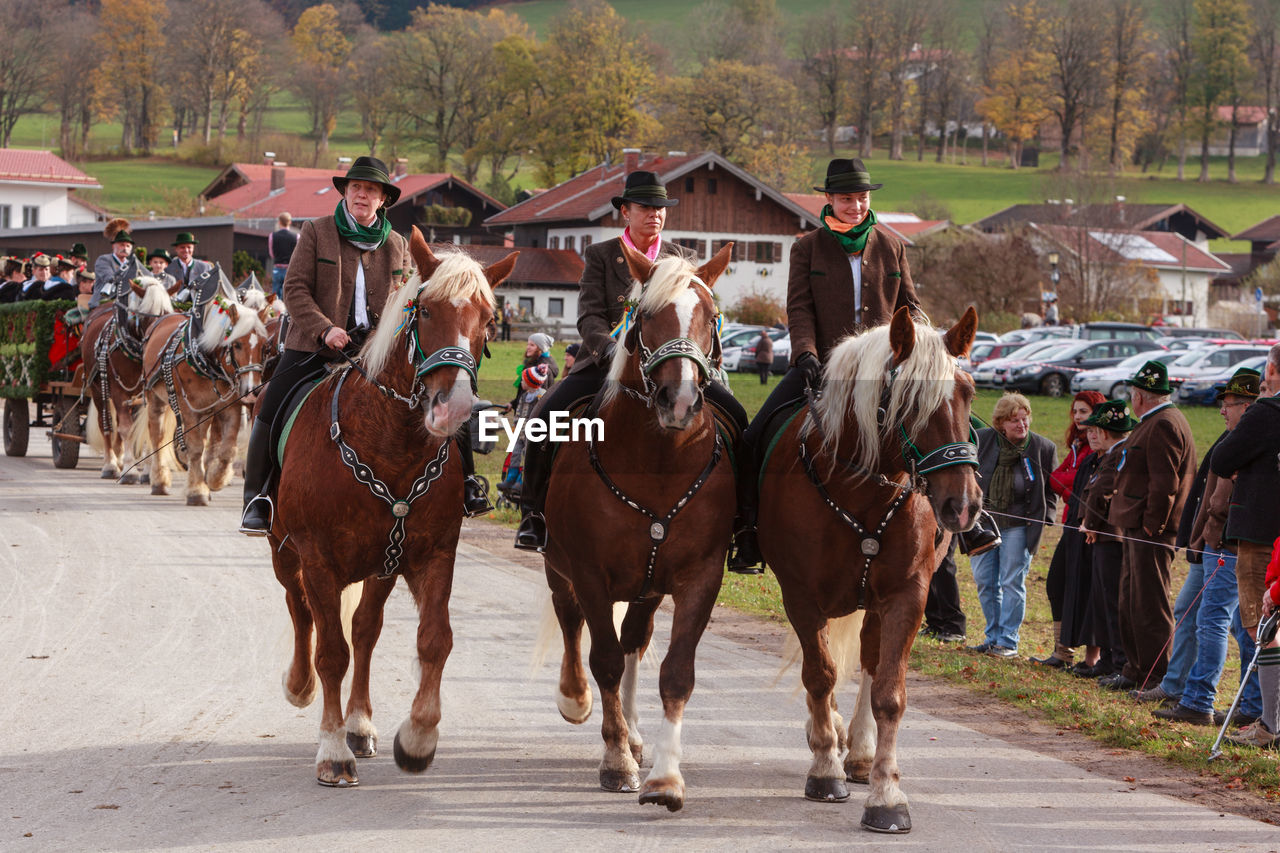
(142, 642)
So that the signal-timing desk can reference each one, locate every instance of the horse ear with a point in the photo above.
(712, 269)
(137, 287)
(271, 298)
(233, 311)
(499, 272)
(422, 255)
(902, 335)
(960, 337)
(640, 266)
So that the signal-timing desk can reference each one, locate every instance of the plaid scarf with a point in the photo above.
(363, 238)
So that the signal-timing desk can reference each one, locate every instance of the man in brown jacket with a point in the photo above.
(1153, 479)
(846, 276)
(764, 356)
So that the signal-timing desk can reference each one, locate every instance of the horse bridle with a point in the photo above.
(685, 348)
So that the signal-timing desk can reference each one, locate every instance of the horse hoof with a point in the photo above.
(637, 752)
(411, 763)
(663, 794)
(337, 774)
(364, 746)
(620, 781)
(108, 475)
(825, 790)
(888, 819)
(197, 500)
(858, 772)
(157, 489)
(129, 479)
(572, 710)
(144, 479)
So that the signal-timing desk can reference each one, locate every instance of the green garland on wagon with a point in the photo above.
(26, 333)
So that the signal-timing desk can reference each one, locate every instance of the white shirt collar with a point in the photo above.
(1163, 405)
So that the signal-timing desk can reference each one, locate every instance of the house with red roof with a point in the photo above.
(719, 203)
(445, 207)
(37, 189)
(1179, 271)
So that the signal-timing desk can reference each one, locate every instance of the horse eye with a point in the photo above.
(426, 315)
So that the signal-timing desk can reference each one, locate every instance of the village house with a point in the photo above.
(719, 203)
(1119, 215)
(38, 189)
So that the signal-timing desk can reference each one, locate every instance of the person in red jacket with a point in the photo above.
(1061, 481)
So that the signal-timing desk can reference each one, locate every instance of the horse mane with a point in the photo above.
(154, 301)
(670, 278)
(857, 375)
(459, 277)
(218, 328)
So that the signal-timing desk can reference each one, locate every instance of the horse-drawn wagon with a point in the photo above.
(40, 364)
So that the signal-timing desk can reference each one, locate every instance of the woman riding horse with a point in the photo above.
(341, 272)
(602, 293)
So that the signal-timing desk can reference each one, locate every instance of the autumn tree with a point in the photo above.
(746, 31)
(68, 93)
(373, 85)
(866, 54)
(824, 69)
(1125, 115)
(321, 50)
(996, 273)
(941, 86)
(904, 30)
(1073, 41)
(1017, 99)
(1264, 48)
(128, 86)
(1220, 46)
(509, 130)
(726, 107)
(27, 26)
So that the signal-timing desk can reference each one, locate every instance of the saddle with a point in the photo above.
(775, 427)
(283, 423)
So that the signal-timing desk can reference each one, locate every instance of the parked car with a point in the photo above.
(739, 335)
(1196, 367)
(1182, 343)
(746, 355)
(984, 374)
(1050, 374)
(1200, 388)
(985, 337)
(1035, 333)
(989, 350)
(1113, 331)
(1110, 380)
(1190, 332)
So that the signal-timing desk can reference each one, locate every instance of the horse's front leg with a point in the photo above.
(197, 487)
(618, 768)
(223, 432)
(416, 739)
(573, 692)
(157, 408)
(886, 808)
(862, 736)
(693, 604)
(637, 630)
(335, 763)
(123, 440)
(362, 737)
(825, 780)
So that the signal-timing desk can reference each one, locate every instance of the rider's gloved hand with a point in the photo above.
(809, 365)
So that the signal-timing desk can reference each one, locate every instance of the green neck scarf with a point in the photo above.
(853, 238)
(365, 238)
(1000, 491)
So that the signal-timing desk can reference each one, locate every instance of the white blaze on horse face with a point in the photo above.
(447, 411)
(250, 380)
(687, 396)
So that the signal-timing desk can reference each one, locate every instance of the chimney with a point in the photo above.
(631, 159)
(402, 167)
(1120, 200)
(277, 175)
(268, 158)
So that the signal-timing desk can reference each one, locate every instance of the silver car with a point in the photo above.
(1198, 365)
(984, 375)
(1109, 381)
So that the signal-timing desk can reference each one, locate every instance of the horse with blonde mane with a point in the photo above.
(198, 379)
(112, 352)
(370, 488)
(851, 512)
(659, 491)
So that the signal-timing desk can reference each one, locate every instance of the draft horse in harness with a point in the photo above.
(645, 512)
(199, 368)
(852, 498)
(370, 489)
(111, 349)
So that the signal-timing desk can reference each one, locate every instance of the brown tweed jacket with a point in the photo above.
(606, 281)
(820, 298)
(321, 282)
(1155, 477)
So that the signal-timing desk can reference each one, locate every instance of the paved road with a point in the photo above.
(141, 642)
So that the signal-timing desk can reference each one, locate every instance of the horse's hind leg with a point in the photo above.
(299, 679)
(886, 806)
(224, 429)
(335, 763)
(637, 629)
(125, 413)
(416, 739)
(160, 478)
(825, 780)
(197, 488)
(573, 693)
(362, 737)
(665, 784)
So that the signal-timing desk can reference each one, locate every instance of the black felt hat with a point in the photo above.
(369, 169)
(847, 176)
(644, 188)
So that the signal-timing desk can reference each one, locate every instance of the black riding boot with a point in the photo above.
(532, 533)
(982, 537)
(258, 474)
(744, 554)
(475, 495)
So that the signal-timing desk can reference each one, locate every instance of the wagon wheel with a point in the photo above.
(17, 426)
(66, 452)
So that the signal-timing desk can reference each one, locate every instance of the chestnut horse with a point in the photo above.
(643, 513)
(112, 351)
(371, 487)
(852, 497)
(204, 372)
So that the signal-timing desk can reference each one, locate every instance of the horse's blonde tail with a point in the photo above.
(168, 428)
(844, 644)
(351, 595)
(548, 631)
(139, 437)
(93, 430)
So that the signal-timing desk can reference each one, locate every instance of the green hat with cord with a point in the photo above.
(1114, 415)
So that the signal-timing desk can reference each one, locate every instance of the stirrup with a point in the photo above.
(532, 533)
(249, 515)
(475, 497)
(744, 553)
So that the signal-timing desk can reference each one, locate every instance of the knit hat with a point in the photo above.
(543, 340)
(572, 349)
(1152, 377)
(536, 376)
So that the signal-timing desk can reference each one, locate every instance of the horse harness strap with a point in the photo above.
(658, 527)
(167, 361)
(870, 538)
(364, 474)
